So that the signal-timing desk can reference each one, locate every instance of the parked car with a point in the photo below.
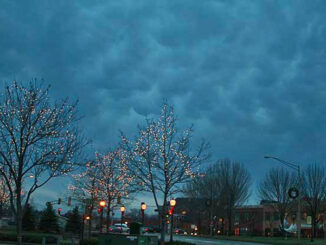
(147, 229)
(179, 231)
(119, 228)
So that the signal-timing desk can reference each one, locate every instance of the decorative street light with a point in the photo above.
(102, 206)
(122, 210)
(87, 218)
(292, 191)
(143, 207)
(173, 202)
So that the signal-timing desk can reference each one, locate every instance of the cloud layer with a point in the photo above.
(248, 74)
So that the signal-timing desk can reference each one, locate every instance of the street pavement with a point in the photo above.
(210, 241)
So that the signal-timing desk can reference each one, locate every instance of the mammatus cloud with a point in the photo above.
(249, 75)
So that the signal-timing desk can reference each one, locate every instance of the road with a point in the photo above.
(208, 241)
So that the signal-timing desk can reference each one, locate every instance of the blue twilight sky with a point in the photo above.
(250, 75)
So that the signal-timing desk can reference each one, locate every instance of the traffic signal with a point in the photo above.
(170, 211)
(99, 210)
(59, 211)
(59, 201)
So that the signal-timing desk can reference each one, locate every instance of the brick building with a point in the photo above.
(256, 220)
(259, 220)
(263, 220)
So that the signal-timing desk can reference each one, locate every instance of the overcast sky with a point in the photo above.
(250, 75)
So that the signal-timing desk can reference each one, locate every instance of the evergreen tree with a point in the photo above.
(49, 220)
(74, 221)
(29, 222)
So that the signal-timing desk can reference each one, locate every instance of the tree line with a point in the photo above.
(47, 220)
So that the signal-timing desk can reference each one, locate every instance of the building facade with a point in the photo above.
(264, 220)
(258, 220)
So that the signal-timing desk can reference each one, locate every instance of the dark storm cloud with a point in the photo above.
(249, 74)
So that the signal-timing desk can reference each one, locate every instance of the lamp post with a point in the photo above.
(143, 207)
(122, 210)
(173, 202)
(87, 218)
(295, 167)
(102, 206)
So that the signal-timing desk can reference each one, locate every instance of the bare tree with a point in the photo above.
(115, 181)
(225, 185)
(206, 189)
(235, 182)
(38, 140)
(274, 187)
(85, 189)
(105, 178)
(314, 191)
(161, 159)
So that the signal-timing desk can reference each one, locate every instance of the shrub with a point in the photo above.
(49, 220)
(28, 237)
(92, 241)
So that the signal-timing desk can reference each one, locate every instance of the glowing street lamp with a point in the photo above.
(102, 204)
(87, 218)
(173, 202)
(122, 210)
(143, 207)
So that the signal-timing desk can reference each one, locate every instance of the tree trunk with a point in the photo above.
(163, 222)
(313, 227)
(282, 220)
(19, 220)
(282, 217)
(90, 221)
(19, 230)
(89, 228)
(163, 227)
(108, 219)
(230, 222)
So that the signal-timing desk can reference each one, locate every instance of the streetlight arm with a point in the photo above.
(290, 165)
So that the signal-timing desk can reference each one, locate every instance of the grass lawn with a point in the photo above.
(273, 240)
(33, 237)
